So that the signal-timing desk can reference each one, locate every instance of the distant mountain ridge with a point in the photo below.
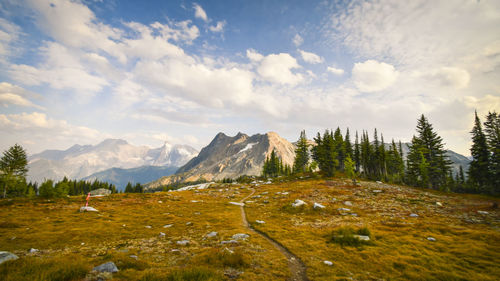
(231, 157)
(80, 161)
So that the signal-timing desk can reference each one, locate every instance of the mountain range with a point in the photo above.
(82, 161)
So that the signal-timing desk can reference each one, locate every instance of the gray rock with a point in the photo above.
(189, 223)
(148, 226)
(362, 237)
(329, 263)
(182, 242)
(482, 212)
(439, 204)
(229, 242)
(414, 215)
(431, 239)
(298, 203)
(5, 256)
(106, 267)
(211, 234)
(33, 250)
(348, 203)
(88, 209)
(237, 203)
(167, 225)
(240, 236)
(260, 222)
(134, 257)
(162, 234)
(344, 209)
(318, 206)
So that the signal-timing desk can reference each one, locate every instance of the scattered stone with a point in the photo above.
(33, 250)
(329, 263)
(298, 203)
(348, 203)
(318, 206)
(378, 182)
(167, 225)
(134, 257)
(431, 239)
(189, 223)
(5, 256)
(211, 234)
(160, 201)
(376, 191)
(237, 203)
(256, 196)
(82, 244)
(362, 237)
(182, 242)
(106, 267)
(439, 204)
(148, 226)
(232, 273)
(482, 212)
(162, 234)
(354, 214)
(194, 201)
(124, 225)
(265, 201)
(260, 222)
(344, 209)
(240, 236)
(88, 209)
(264, 193)
(229, 242)
(284, 193)
(413, 215)
(228, 250)
(100, 192)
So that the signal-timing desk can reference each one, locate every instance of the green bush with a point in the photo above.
(345, 236)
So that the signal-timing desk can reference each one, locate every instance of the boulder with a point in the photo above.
(432, 239)
(413, 215)
(329, 263)
(182, 242)
(5, 256)
(100, 192)
(240, 236)
(33, 250)
(211, 234)
(88, 209)
(106, 267)
(298, 203)
(318, 206)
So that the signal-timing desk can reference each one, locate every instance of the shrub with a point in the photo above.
(223, 258)
(345, 236)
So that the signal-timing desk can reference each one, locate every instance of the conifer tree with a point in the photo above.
(338, 146)
(492, 133)
(357, 153)
(479, 169)
(13, 167)
(348, 145)
(301, 154)
(129, 188)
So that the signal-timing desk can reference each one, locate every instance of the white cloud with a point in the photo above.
(12, 99)
(9, 35)
(310, 57)
(219, 27)
(277, 68)
(200, 13)
(254, 55)
(373, 76)
(448, 77)
(297, 40)
(336, 71)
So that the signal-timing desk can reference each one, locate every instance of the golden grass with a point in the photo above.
(72, 243)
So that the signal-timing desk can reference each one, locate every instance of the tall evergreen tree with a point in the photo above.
(301, 154)
(325, 154)
(479, 169)
(13, 167)
(338, 144)
(357, 153)
(492, 133)
(348, 145)
(427, 146)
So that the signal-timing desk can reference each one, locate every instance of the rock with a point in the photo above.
(100, 192)
(413, 215)
(354, 214)
(329, 263)
(6, 256)
(160, 201)
(106, 267)
(88, 209)
(376, 191)
(318, 206)
(348, 203)
(298, 203)
(194, 201)
(240, 236)
(284, 193)
(482, 212)
(362, 237)
(189, 223)
(344, 209)
(379, 182)
(431, 239)
(134, 257)
(182, 242)
(211, 234)
(265, 193)
(162, 234)
(148, 226)
(237, 203)
(167, 225)
(439, 204)
(260, 222)
(232, 273)
(229, 242)
(33, 250)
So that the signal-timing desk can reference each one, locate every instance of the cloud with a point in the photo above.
(277, 68)
(254, 55)
(9, 37)
(297, 40)
(199, 12)
(373, 76)
(219, 27)
(336, 71)
(448, 77)
(310, 57)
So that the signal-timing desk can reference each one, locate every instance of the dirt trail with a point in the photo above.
(297, 267)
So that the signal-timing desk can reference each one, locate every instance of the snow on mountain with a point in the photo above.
(81, 161)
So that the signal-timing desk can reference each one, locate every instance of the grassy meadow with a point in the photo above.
(127, 228)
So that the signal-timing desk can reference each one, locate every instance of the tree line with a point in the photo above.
(425, 165)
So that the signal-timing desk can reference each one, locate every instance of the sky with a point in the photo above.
(78, 72)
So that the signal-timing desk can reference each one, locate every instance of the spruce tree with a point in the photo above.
(479, 173)
(492, 133)
(13, 167)
(357, 153)
(338, 144)
(348, 145)
(301, 154)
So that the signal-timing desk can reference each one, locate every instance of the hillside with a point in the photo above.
(79, 162)
(231, 157)
(120, 177)
(413, 234)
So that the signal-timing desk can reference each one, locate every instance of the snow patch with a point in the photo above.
(248, 147)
